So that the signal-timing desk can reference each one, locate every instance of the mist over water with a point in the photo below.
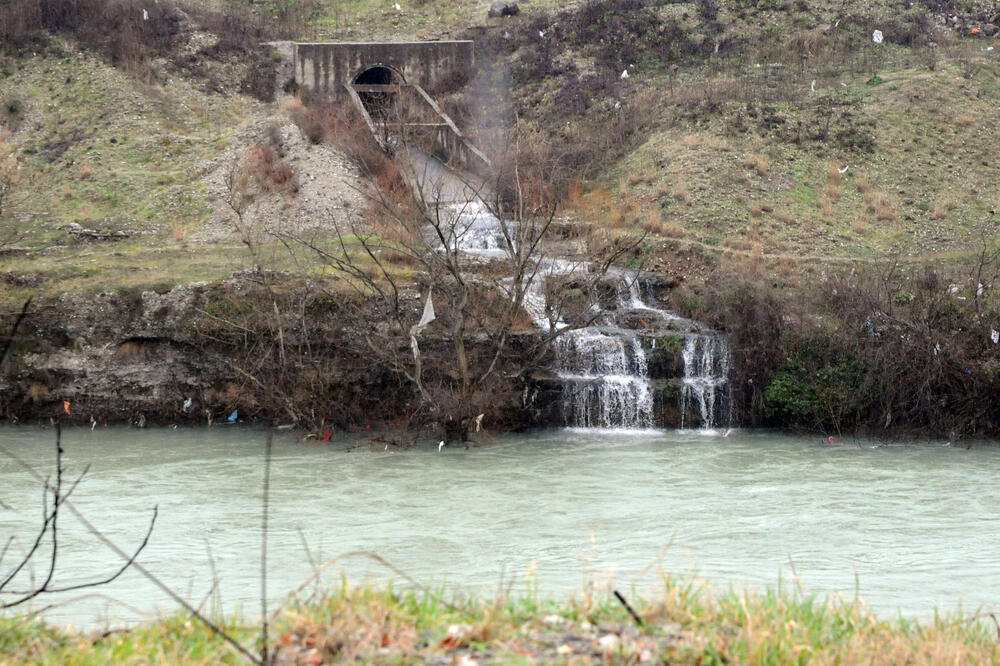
(916, 523)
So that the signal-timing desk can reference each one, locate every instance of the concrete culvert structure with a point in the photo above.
(377, 102)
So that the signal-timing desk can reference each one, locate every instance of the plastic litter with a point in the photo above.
(844, 170)
(186, 406)
(66, 406)
(608, 643)
(994, 335)
(624, 74)
(398, 8)
(428, 316)
(877, 37)
(541, 33)
(232, 417)
(145, 15)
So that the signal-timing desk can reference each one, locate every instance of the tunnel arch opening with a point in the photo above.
(378, 103)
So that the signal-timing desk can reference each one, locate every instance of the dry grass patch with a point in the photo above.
(833, 181)
(965, 120)
(719, 144)
(880, 205)
(691, 141)
(785, 217)
(833, 175)
(757, 162)
(596, 204)
(862, 225)
(641, 177)
(942, 208)
(655, 224)
(825, 205)
(574, 193)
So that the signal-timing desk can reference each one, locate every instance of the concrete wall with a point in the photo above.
(325, 67)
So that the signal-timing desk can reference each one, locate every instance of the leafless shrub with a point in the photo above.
(473, 359)
(43, 548)
(882, 347)
(757, 162)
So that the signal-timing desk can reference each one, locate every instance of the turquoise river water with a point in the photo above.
(912, 527)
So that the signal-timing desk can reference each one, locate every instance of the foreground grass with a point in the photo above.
(685, 623)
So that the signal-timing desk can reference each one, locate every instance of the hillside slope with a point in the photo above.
(121, 179)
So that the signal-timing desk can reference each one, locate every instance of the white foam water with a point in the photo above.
(706, 377)
(605, 383)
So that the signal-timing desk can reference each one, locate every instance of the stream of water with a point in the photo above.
(602, 366)
(916, 523)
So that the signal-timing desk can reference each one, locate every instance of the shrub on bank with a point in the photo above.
(882, 347)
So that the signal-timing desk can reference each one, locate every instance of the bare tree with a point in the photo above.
(985, 269)
(472, 254)
(44, 546)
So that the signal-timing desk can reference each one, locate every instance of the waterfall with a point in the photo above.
(474, 230)
(604, 379)
(706, 375)
(602, 367)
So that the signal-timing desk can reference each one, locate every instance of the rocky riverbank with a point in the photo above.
(198, 353)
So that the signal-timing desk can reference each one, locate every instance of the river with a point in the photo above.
(914, 526)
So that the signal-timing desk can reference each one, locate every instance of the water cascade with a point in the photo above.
(604, 379)
(706, 375)
(602, 368)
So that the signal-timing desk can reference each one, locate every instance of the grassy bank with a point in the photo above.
(684, 623)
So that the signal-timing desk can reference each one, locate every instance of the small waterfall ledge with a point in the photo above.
(641, 367)
(706, 379)
(604, 378)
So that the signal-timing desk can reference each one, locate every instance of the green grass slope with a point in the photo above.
(109, 151)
